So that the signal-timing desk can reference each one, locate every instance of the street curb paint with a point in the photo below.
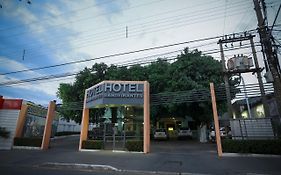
(26, 147)
(108, 168)
(249, 155)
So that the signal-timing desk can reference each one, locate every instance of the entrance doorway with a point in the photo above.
(124, 99)
(117, 126)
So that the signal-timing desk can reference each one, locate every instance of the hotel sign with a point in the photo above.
(122, 93)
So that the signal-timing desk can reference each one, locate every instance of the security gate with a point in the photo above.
(114, 138)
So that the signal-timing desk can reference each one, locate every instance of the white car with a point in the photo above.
(160, 134)
(184, 132)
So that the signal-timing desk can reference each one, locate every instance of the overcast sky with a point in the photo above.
(57, 31)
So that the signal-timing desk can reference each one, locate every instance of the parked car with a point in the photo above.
(184, 132)
(160, 134)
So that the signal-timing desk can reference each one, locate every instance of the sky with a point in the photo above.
(50, 32)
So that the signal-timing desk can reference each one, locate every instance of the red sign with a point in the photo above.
(10, 104)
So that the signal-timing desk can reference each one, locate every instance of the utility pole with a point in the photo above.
(226, 82)
(227, 73)
(266, 42)
(263, 95)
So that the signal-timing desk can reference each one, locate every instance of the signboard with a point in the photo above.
(13, 104)
(121, 93)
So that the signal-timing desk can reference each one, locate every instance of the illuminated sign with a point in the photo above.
(115, 93)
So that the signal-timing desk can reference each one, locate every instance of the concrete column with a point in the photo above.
(216, 119)
(146, 114)
(21, 120)
(84, 123)
(48, 125)
(84, 127)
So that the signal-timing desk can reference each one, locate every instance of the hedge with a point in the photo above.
(252, 146)
(134, 145)
(64, 133)
(92, 144)
(24, 141)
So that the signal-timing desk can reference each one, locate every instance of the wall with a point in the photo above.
(8, 120)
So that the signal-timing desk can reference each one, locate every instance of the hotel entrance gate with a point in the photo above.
(118, 94)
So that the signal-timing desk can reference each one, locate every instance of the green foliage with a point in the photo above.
(3, 133)
(134, 145)
(191, 71)
(24, 141)
(252, 146)
(92, 144)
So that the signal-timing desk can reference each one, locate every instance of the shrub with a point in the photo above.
(252, 146)
(134, 145)
(4, 133)
(64, 133)
(92, 144)
(24, 141)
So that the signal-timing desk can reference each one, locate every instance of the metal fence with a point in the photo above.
(253, 129)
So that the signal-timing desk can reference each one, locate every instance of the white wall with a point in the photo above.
(8, 120)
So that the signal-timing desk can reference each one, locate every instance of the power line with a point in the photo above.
(187, 96)
(137, 61)
(174, 23)
(113, 55)
(73, 74)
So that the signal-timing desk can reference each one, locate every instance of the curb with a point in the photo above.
(250, 155)
(79, 166)
(26, 147)
(64, 136)
(114, 151)
(94, 167)
(89, 150)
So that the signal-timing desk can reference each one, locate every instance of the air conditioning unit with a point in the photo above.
(240, 62)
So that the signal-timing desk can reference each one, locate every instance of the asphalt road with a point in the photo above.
(171, 156)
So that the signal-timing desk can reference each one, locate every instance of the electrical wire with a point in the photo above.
(112, 55)
(108, 38)
(189, 96)
(73, 74)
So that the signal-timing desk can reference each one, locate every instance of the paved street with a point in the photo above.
(166, 156)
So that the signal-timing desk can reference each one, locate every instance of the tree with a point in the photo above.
(191, 71)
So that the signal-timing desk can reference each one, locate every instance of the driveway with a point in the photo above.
(166, 156)
(181, 146)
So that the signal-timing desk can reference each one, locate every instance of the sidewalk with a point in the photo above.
(196, 161)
